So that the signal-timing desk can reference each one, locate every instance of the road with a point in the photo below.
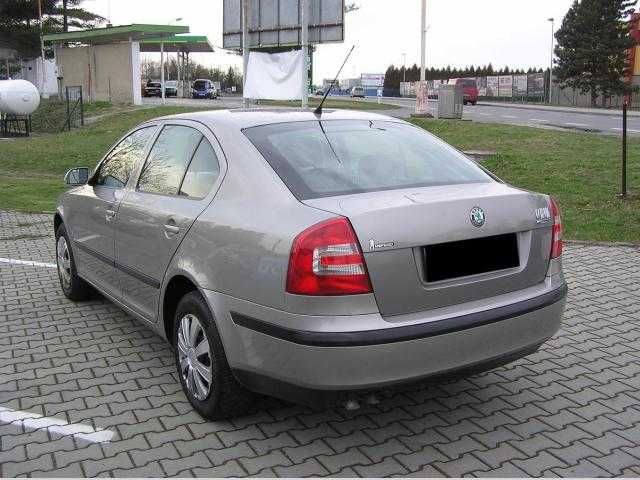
(513, 115)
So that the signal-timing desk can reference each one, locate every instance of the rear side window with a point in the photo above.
(202, 173)
(116, 169)
(168, 160)
(322, 159)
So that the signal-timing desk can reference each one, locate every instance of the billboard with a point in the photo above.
(519, 85)
(372, 80)
(492, 86)
(505, 86)
(275, 23)
(482, 86)
(535, 85)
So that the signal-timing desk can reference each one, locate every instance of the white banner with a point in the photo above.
(275, 76)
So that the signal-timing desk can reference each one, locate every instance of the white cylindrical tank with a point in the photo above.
(18, 97)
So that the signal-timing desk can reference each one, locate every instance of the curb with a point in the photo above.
(542, 108)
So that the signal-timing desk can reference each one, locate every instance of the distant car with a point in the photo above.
(320, 92)
(171, 88)
(153, 89)
(203, 88)
(357, 92)
(470, 88)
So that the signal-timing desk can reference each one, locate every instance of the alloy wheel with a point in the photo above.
(194, 356)
(64, 262)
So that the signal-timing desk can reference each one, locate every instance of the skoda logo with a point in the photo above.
(477, 217)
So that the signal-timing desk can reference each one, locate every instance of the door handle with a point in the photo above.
(171, 229)
(109, 214)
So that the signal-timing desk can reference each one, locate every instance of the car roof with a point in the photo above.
(246, 118)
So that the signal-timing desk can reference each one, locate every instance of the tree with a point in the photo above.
(20, 25)
(592, 47)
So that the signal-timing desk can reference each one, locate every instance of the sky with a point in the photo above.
(460, 32)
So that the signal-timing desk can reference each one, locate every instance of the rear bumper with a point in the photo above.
(300, 365)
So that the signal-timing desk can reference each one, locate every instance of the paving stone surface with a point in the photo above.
(72, 373)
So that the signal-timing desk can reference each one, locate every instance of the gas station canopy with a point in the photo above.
(120, 33)
(182, 43)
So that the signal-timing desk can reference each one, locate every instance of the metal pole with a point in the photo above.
(551, 63)
(246, 19)
(162, 69)
(178, 67)
(623, 193)
(423, 41)
(44, 75)
(304, 41)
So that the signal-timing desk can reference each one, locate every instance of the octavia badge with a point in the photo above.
(477, 217)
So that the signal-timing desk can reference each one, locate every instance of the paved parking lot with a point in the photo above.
(86, 391)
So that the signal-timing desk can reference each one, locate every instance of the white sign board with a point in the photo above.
(372, 80)
(275, 76)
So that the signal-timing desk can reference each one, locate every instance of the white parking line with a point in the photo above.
(538, 120)
(34, 421)
(508, 116)
(28, 263)
(483, 114)
(576, 124)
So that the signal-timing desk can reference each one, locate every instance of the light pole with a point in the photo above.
(423, 40)
(551, 63)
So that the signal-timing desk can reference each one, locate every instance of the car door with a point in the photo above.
(91, 209)
(174, 186)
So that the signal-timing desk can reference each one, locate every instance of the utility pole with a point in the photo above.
(162, 69)
(551, 63)
(423, 41)
(44, 74)
(245, 48)
(304, 41)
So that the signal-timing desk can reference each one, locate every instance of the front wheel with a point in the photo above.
(73, 287)
(203, 370)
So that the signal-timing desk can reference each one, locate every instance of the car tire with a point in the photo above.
(73, 287)
(474, 103)
(223, 397)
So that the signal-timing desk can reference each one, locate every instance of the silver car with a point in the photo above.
(311, 257)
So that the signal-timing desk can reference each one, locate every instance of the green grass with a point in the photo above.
(582, 171)
(346, 104)
(50, 117)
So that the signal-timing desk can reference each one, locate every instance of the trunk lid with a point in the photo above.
(395, 229)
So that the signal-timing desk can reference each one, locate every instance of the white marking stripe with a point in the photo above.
(617, 129)
(577, 124)
(56, 426)
(29, 263)
(508, 116)
(538, 120)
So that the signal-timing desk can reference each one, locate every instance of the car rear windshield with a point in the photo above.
(201, 85)
(153, 85)
(469, 83)
(322, 159)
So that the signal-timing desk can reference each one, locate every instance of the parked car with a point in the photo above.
(311, 258)
(357, 92)
(171, 88)
(203, 88)
(470, 89)
(153, 89)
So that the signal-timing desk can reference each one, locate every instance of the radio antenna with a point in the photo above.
(318, 110)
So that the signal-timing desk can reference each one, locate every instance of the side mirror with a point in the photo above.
(77, 176)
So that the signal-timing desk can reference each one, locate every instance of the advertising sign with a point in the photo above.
(535, 85)
(482, 86)
(519, 85)
(372, 80)
(492, 86)
(505, 88)
(277, 22)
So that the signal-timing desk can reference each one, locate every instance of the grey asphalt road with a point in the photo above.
(507, 114)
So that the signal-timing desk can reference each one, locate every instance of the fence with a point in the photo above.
(75, 107)
(528, 88)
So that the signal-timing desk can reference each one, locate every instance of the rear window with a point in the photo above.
(323, 159)
(200, 85)
(153, 85)
(469, 83)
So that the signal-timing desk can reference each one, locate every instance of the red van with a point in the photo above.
(470, 89)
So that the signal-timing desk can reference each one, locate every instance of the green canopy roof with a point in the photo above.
(175, 43)
(118, 33)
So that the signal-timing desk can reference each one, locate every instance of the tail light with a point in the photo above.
(326, 259)
(556, 230)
